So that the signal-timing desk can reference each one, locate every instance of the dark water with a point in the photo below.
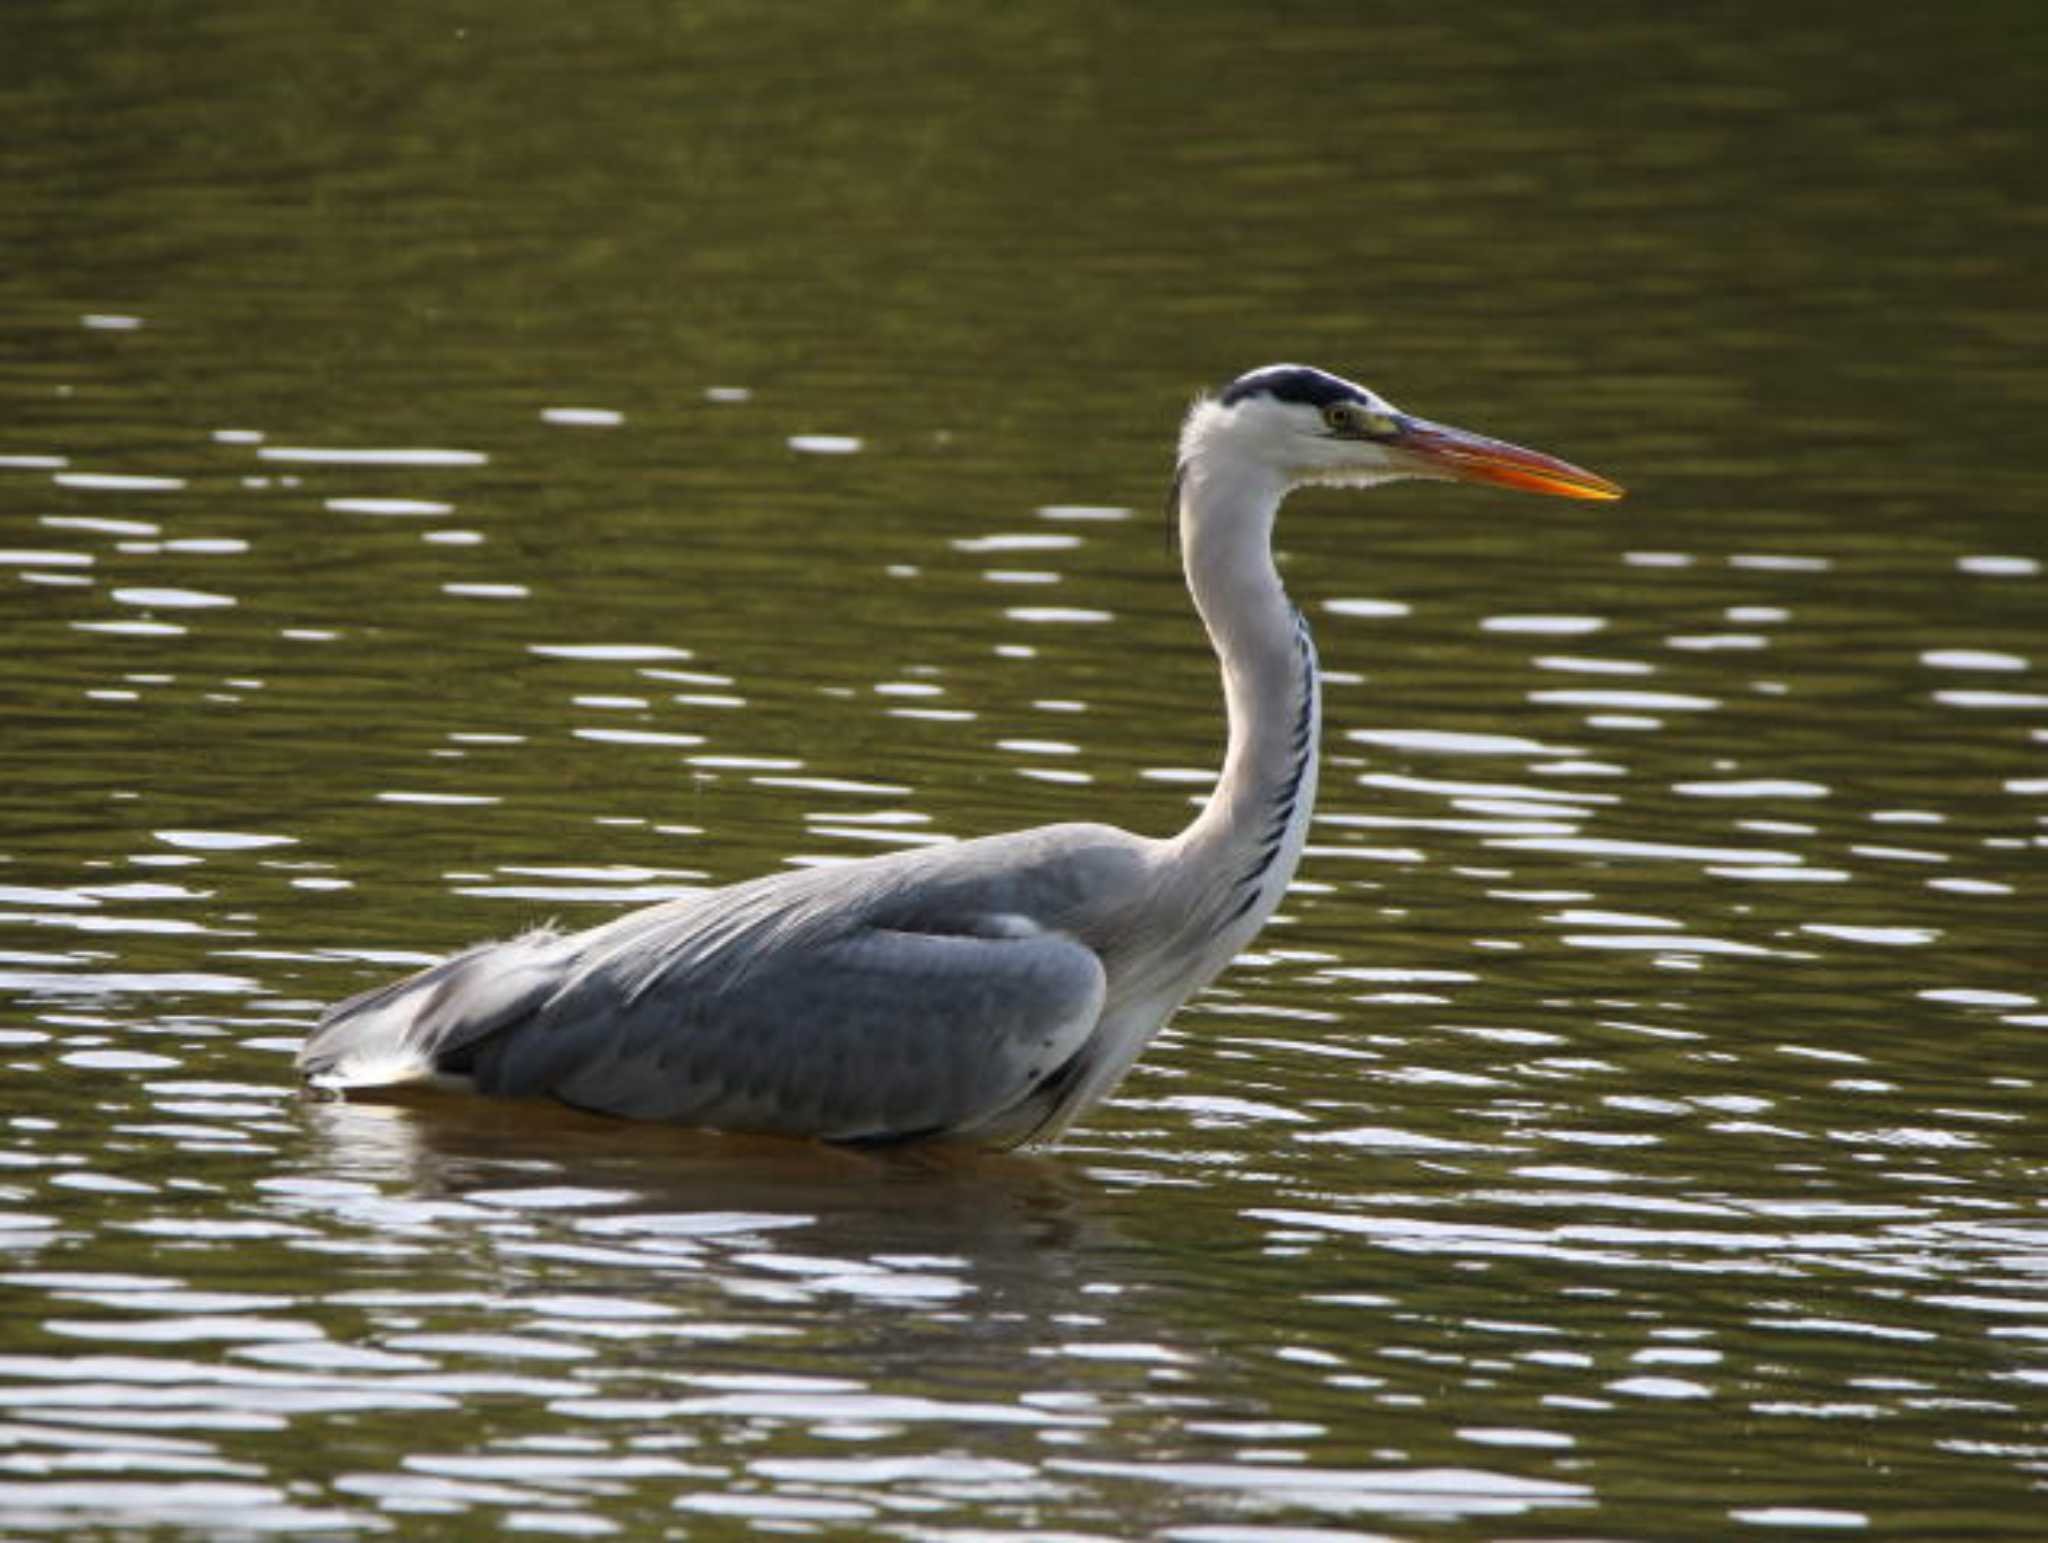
(461, 465)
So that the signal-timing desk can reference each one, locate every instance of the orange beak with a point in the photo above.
(1459, 456)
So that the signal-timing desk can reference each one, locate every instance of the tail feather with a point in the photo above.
(416, 1029)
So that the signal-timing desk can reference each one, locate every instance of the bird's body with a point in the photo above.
(991, 990)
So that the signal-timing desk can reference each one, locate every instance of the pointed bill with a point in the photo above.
(1438, 450)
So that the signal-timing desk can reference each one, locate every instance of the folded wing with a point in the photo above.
(871, 1033)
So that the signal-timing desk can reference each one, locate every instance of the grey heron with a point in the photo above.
(989, 991)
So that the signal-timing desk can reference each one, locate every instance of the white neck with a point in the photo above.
(1240, 851)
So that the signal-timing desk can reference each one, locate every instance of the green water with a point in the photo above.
(465, 465)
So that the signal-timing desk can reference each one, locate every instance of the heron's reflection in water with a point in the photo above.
(667, 1264)
(930, 1222)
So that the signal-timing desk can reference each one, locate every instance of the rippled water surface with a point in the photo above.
(463, 466)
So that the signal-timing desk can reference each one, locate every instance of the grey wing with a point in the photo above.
(874, 1033)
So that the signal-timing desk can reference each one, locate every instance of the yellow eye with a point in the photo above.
(1355, 420)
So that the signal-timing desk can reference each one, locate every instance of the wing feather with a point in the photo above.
(925, 992)
(415, 1029)
(877, 1034)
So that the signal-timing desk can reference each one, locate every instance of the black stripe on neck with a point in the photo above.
(1283, 810)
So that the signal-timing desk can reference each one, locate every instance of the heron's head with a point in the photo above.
(1307, 426)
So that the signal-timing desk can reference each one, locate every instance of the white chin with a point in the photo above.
(1355, 476)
